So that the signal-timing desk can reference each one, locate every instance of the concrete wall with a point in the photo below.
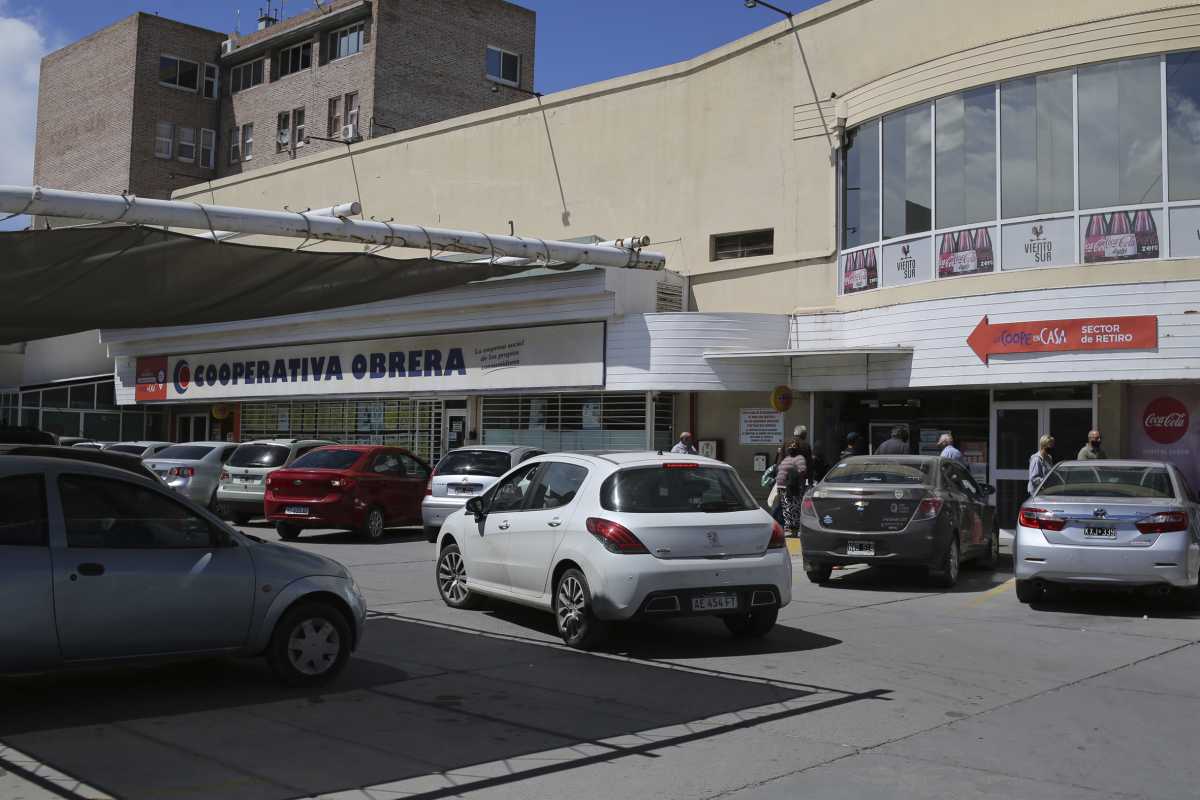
(1111, 413)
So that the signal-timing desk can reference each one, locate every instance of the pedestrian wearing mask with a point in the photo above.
(1040, 462)
(1092, 450)
(790, 481)
(768, 479)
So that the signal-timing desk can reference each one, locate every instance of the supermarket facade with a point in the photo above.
(905, 216)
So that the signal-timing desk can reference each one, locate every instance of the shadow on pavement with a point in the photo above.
(417, 699)
(390, 535)
(915, 579)
(1119, 603)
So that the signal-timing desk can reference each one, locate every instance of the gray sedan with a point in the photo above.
(1108, 523)
(464, 473)
(193, 469)
(97, 564)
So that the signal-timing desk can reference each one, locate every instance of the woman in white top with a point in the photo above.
(1040, 462)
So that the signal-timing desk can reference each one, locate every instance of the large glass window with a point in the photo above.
(966, 158)
(1037, 171)
(860, 186)
(906, 172)
(1120, 133)
(1183, 125)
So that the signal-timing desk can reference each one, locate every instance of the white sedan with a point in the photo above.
(602, 537)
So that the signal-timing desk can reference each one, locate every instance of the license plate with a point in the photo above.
(1098, 532)
(246, 481)
(860, 548)
(469, 489)
(300, 511)
(715, 602)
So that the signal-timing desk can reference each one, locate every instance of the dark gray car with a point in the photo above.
(97, 564)
(898, 510)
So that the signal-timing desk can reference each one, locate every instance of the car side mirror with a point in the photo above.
(475, 506)
(987, 489)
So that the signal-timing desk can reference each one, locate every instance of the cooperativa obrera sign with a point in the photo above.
(1063, 335)
(556, 356)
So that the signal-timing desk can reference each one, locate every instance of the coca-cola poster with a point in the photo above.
(966, 252)
(860, 271)
(1164, 426)
(906, 262)
(1120, 236)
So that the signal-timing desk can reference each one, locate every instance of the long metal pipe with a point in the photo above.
(340, 210)
(196, 216)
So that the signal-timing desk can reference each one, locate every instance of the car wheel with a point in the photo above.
(752, 625)
(431, 533)
(945, 574)
(241, 518)
(452, 579)
(818, 573)
(1027, 591)
(373, 527)
(310, 645)
(287, 531)
(577, 625)
(214, 505)
(992, 557)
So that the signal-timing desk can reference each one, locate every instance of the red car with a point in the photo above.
(361, 487)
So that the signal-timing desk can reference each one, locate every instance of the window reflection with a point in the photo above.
(906, 172)
(1036, 160)
(966, 158)
(860, 186)
(1183, 125)
(1120, 134)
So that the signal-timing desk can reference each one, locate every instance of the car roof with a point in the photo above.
(626, 457)
(362, 448)
(201, 444)
(57, 454)
(1112, 462)
(142, 442)
(897, 457)
(493, 448)
(288, 442)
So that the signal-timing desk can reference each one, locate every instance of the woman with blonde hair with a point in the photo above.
(1040, 462)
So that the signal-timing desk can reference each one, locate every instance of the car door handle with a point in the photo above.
(91, 569)
(554, 523)
(503, 525)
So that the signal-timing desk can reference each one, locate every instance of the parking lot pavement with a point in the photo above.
(875, 685)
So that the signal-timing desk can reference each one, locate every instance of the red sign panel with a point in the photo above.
(1165, 420)
(151, 378)
(1063, 335)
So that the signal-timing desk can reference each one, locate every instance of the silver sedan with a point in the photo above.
(193, 469)
(1109, 523)
(97, 564)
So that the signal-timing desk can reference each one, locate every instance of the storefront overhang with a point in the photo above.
(794, 354)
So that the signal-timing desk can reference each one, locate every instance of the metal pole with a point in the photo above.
(196, 216)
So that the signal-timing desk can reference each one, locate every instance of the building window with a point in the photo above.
(1120, 133)
(1036, 154)
(1183, 125)
(346, 42)
(742, 245)
(295, 59)
(164, 139)
(906, 172)
(246, 75)
(351, 106)
(210, 81)
(503, 66)
(298, 126)
(235, 145)
(208, 148)
(860, 186)
(283, 131)
(178, 73)
(965, 140)
(247, 141)
(335, 117)
(187, 144)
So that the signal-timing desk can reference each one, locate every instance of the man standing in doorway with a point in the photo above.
(946, 442)
(684, 446)
(897, 445)
(1092, 449)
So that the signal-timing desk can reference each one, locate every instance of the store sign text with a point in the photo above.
(1105, 333)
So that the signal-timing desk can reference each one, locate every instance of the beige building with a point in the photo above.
(848, 201)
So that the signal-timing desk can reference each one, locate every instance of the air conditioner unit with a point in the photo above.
(350, 132)
(283, 137)
(227, 47)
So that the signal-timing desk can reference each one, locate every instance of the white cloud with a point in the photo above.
(21, 49)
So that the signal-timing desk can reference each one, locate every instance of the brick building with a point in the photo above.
(150, 105)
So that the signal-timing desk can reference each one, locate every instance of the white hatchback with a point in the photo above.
(600, 537)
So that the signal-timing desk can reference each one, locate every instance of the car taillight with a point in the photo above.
(224, 475)
(342, 483)
(1041, 519)
(807, 508)
(615, 538)
(679, 465)
(429, 488)
(1163, 522)
(181, 472)
(777, 538)
(929, 508)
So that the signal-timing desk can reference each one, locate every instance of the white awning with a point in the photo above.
(844, 351)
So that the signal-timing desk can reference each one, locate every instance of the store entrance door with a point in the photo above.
(456, 428)
(191, 428)
(1016, 428)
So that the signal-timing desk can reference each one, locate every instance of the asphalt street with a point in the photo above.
(875, 686)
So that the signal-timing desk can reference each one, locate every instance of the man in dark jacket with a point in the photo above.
(897, 445)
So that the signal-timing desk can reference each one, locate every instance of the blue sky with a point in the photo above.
(578, 42)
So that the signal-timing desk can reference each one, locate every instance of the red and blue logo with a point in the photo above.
(182, 377)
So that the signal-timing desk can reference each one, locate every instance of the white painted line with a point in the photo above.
(46, 781)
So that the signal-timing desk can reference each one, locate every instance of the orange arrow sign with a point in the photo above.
(1063, 335)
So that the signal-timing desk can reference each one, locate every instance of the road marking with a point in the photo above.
(990, 593)
(52, 782)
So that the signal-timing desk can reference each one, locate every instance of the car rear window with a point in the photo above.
(904, 473)
(674, 490)
(327, 459)
(491, 463)
(131, 449)
(259, 455)
(185, 452)
(1108, 481)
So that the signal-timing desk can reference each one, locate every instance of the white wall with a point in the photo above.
(76, 355)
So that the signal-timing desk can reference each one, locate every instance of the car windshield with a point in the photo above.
(185, 452)
(1108, 481)
(671, 489)
(491, 463)
(327, 459)
(259, 455)
(866, 470)
(132, 449)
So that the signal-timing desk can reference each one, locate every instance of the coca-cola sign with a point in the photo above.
(1165, 420)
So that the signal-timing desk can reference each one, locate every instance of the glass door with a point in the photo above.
(191, 428)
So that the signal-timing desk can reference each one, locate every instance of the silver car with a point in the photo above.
(193, 469)
(97, 564)
(465, 473)
(1108, 523)
(139, 449)
(243, 481)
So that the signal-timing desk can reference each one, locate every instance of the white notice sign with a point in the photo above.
(761, 426)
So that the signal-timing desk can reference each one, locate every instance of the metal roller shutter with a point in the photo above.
(587, 421)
